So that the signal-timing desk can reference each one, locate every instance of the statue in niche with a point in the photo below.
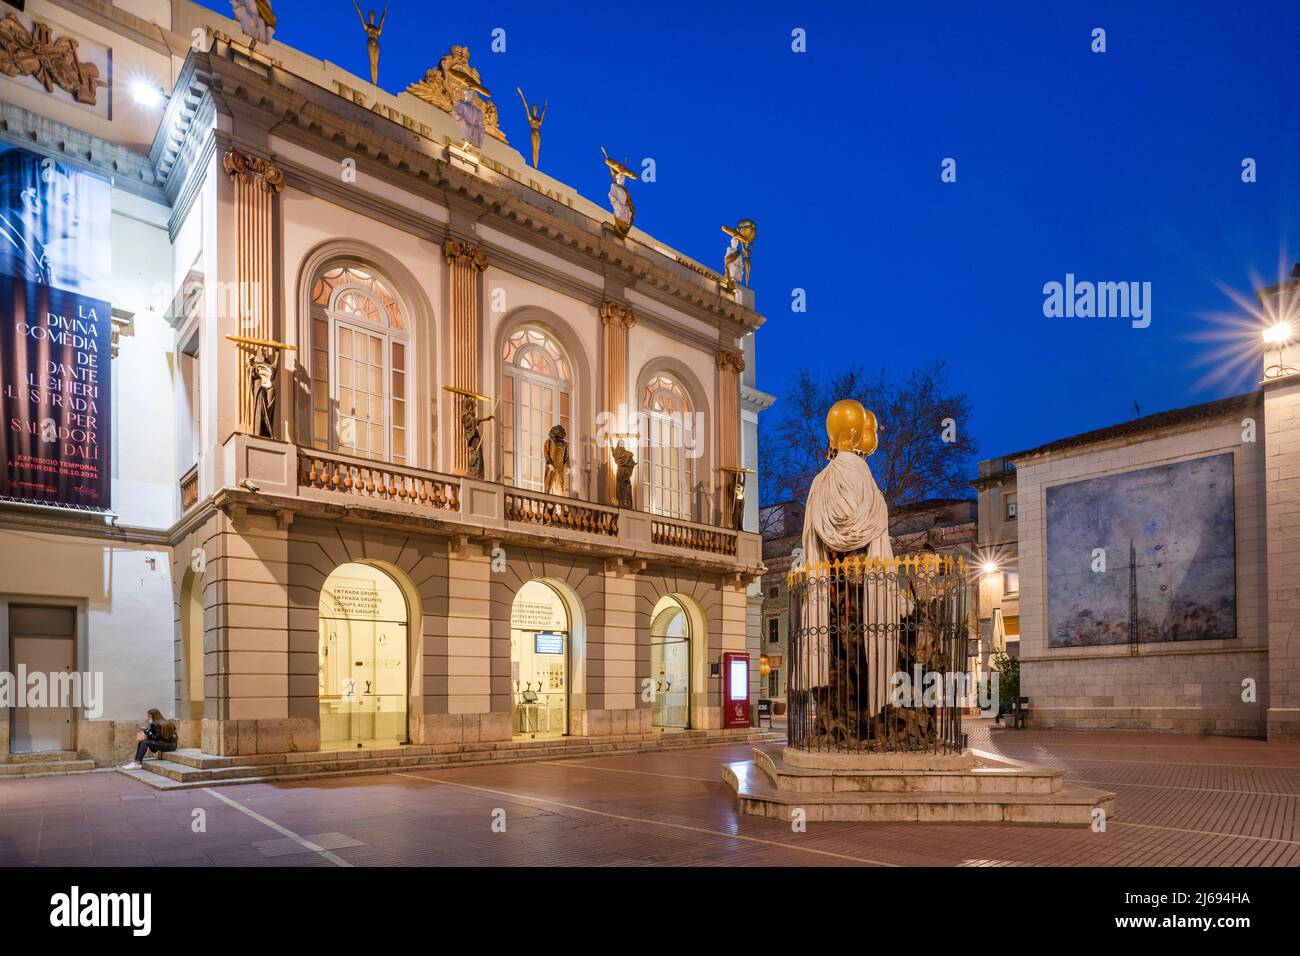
(556, 452)
(626, 462)
(469, 423)
(262, 366)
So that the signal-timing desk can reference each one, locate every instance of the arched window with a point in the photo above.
(360, 355)
(668, 471)
(536, 395)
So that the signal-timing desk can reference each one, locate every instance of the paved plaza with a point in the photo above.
(1182, 801)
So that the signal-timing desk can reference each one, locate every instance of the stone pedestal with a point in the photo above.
(970, 787)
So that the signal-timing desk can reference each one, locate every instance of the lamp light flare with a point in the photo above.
(989, 567)
(1278, 333)
(147, 94)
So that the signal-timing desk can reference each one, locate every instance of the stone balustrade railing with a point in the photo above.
(367, 479)
(693, 537)
(271, 469)
(189, 488)
(548, 511)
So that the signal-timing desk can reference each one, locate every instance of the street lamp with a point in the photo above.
(1278, 335)
(148, 94)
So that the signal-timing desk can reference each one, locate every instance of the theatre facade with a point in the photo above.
(340, 339)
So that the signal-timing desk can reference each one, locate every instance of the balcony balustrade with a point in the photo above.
(290, 478)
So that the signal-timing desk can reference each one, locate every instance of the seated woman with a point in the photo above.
(157, 736)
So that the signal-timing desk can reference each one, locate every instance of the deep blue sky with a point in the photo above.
(1117, 166)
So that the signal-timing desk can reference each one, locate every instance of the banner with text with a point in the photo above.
(55, 332)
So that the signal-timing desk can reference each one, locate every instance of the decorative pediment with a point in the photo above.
(446, 83)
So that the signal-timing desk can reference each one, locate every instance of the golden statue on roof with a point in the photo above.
(445, 84)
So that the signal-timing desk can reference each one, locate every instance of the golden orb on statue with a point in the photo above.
(845, 424)
(868, 440)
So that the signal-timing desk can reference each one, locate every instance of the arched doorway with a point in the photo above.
(670, 665)
(191, 704)
(541, 660)
(364, 638)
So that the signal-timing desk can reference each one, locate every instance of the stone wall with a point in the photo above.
(1189, 686)
(261, 591)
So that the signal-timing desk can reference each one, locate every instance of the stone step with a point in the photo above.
(205, 770)
(33, 768)
(1071, 806)
(40, 756)
(192, 757)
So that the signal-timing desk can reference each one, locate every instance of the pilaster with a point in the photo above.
(257, 182)
(616, 320)
(1282, 503)
(465, 265)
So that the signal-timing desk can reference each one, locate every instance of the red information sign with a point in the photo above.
(735, 689)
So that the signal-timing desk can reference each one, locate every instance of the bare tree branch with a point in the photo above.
(912, 462)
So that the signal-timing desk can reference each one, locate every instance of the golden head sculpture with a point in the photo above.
(845, 424)
(868, 440)
(851, 427)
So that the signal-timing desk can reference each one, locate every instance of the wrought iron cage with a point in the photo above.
(878, 654)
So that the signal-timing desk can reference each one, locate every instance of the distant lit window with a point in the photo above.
(1010, 582)
(1010, 501)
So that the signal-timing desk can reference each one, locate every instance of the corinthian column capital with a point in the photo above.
(733, 360)
(459, 252)
(253, 169)
(613, 312)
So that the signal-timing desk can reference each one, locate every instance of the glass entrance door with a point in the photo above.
(362, 659)
(541, 683)
(539, 662)
(670, 667)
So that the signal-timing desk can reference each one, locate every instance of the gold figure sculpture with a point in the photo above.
(470, 430)
(534, 123)
(555, 479)
(736, 496)
(263, 365)
(626, 464)
(444, 86)
(620, 200)
(50, 62)
(736, 261)
(373, 31)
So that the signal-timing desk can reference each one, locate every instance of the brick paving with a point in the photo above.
(1182, 801)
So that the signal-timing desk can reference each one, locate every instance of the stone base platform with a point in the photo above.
(187, 767)
(45, 764)
(972, 787)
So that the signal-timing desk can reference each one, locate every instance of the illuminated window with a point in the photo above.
(360, 354)
(668, 472)
(536, 395)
